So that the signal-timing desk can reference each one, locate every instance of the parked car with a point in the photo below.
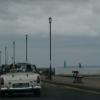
(21, 78)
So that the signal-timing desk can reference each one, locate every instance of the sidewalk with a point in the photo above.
(88, 83)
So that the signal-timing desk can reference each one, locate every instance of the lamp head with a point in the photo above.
(50, 19)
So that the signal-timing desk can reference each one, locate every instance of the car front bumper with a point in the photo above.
(20, 90)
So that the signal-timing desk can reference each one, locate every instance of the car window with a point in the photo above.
(26, 68)
(21, 68)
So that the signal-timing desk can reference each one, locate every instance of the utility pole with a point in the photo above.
(0, 58)
(50, 21)
(7, 58)
(26, 48)
(13, 52)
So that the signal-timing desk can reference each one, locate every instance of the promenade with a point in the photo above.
(88, 83)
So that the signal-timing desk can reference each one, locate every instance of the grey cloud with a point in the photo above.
(75, 29)
(32, 16)
(73, 49)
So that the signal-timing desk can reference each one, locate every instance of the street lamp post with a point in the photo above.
(5, 55)
(13, 52)
(26, 48)
(50, 21)
(0, 58)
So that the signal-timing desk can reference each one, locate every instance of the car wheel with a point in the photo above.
(2, 94)
(9, 94)
(37, 92)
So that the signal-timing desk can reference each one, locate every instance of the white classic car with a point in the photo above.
(20, 78)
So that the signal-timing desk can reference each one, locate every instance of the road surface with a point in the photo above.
(52, 92)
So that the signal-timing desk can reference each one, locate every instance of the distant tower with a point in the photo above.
(65, 64)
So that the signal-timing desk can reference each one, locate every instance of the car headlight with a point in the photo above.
(1, 81)
(38, 79)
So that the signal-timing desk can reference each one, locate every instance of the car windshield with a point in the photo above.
(23, 68)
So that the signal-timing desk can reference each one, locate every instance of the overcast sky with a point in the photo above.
(75, 30)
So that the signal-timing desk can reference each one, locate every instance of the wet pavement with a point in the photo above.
(52, 92)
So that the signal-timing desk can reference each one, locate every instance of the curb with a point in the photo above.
(73, 85)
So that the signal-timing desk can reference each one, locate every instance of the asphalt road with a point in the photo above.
(51, 92)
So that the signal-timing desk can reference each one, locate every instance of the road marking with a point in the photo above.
(82, 90)
(53, 85)
(73, 88)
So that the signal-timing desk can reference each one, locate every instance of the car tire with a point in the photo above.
(9, 94)
(2, 94)
(37, 92)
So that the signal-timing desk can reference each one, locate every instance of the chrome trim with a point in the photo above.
(27, 88)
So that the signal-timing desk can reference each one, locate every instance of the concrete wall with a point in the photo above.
(83, 71)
